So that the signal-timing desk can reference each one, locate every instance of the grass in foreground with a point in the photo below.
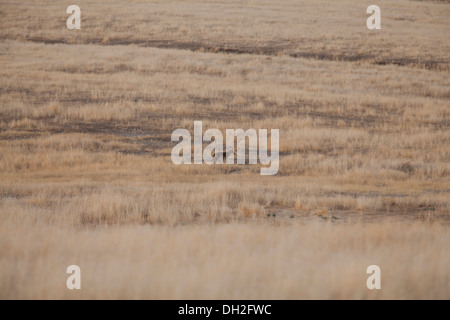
(85, 170)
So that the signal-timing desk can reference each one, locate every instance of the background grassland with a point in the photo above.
(85, 123)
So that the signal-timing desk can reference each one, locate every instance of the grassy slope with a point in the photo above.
(85, 124)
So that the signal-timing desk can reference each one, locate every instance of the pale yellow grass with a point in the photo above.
(371, 146)
(86, 176)
(413, 32)
(239, 261)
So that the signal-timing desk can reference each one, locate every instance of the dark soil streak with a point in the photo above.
(271, 49)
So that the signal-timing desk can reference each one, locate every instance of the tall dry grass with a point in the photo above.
(85, 170)
(240, 261)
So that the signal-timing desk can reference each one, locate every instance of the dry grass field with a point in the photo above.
(86, 178)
